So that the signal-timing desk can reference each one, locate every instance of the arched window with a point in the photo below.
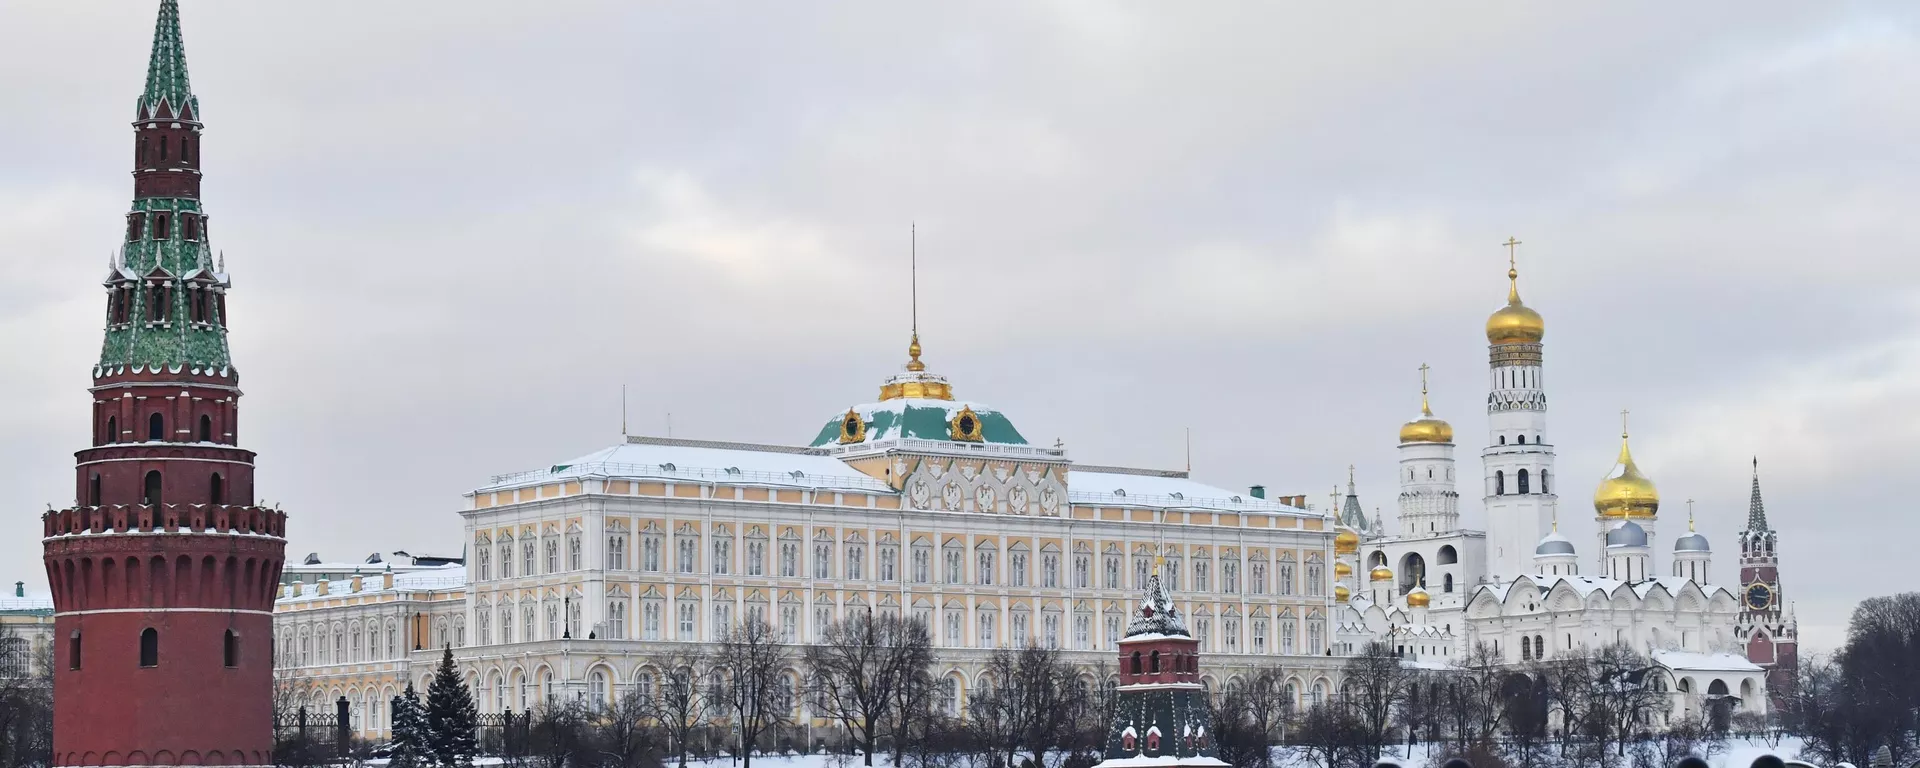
(142, 159)
(149, 647)
(206, 428)
(163, 148)
(1156, 662)
(1136, 662)
(186, 150)
(1523, 481)
(161, 227)
(73, 650)
(1499, 483)
(219, 490)
(113, 430)
(1543, 482)
(1523, 439)
(93, 490)
(156, 427)
(1503, 439)
(230, 649)
(1448, 583)
(152, 497)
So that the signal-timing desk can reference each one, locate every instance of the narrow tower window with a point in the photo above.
(1499, 483)
(163, 149)
(1136, 662)
(230, 649)
(206, 428)
(186, 150)
(93, 490)
(1522, 477)
(153, 489)
(149, 647)
(160, 229)
(142, 160)
(1523, 439)
(1156, 662)
(113, 430)
(156, 427)
(133, 227)
(190, 227)
(73, 650)
(1543, 482)
(219, 494)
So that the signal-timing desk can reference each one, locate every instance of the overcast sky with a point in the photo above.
(456, 229)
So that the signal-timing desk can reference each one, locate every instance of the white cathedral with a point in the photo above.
(1433, 590)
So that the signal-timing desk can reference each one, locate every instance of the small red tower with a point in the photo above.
(1766, 624)
(164, 571)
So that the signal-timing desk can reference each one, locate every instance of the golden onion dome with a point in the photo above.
(1346, 542)
(1426, 428)
(1341, 570)
(1626, 493)
(1380, 573)
(1341, 593)
(1515, 323)
(1418, 598)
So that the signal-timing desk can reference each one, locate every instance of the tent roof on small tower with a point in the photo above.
(167, 70)
(1158, 617)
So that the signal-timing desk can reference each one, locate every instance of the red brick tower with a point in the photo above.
(1766, 624)
(164, 571)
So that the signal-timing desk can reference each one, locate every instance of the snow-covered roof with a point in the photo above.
(1586, 585)
(917, 418)
(1704, 662)
(32, 602)
(1108, 486)
(437, 578)
(734, 463)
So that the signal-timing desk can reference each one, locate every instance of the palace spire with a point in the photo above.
(168, 94)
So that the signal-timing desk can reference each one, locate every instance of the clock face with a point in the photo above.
(1759, 597)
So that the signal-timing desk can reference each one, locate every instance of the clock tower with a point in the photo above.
(1766, 626)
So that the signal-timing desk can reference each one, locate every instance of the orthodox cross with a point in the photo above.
(1511, 244)
(1423, 378)
(1623, 423)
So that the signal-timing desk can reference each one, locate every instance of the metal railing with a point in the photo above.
(704, 474)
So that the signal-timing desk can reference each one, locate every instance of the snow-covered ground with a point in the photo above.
(1734, 753)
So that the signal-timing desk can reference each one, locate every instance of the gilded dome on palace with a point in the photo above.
(916, 404)
(1626, 493)
(1515, 323)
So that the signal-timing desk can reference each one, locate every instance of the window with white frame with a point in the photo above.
(856, 561)
(1316, 579)
(1017, 568)
(1288, 630)
(650, 552)
(1230, 634)
(983, 572)
(576, 553)
(789, 623)
(1316, 642)
(649, 619)
(1201, 574)
(822, 616)
(823, 559)
(1020, 635)
(954, 621)
(1113, 571)
(922, 564)
(1172, 571)
(955, 563)
(889, 562)
(1113, 631)
(1082, 571)
(722, 620)
(1050, 630)
(688, 612)
(617, 618)
(616, 552)
(506, 624)
(1259, 635)
(1286, 575)
(789, 559)
(506, 558)
(722, 555)
(1230, 576)
(553, 555)
(988, 639)
(1257, 577)
(756, 557)
(687, 551)
(483, 558)
(1082, 631)
(528, 566)
(1049, 570)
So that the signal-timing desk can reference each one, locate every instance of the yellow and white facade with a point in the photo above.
(578, 574)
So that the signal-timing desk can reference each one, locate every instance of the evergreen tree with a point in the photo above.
(410, 743)
(451, 718)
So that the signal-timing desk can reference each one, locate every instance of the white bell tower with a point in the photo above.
(1518, 460)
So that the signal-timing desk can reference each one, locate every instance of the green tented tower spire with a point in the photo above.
(166, 295)
(168, 94)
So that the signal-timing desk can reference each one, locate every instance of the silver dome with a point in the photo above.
(1554, 544)
(1692, 542)
(1628, 534)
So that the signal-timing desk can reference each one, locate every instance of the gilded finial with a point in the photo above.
(913, 355)
(1689, 515)
(1158, 560)
(1425, 410)
(1556, 519)
(1513, 270)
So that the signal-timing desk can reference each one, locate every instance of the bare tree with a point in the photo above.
(1031, 709)
(680, 703)
(1328, 734)
(1470, 695)
(854, 670)
(621, 734)
(1623, 695)
(1247, 719)
(559, 733)
(1376, 686)
(755, 692)
(26, 702)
